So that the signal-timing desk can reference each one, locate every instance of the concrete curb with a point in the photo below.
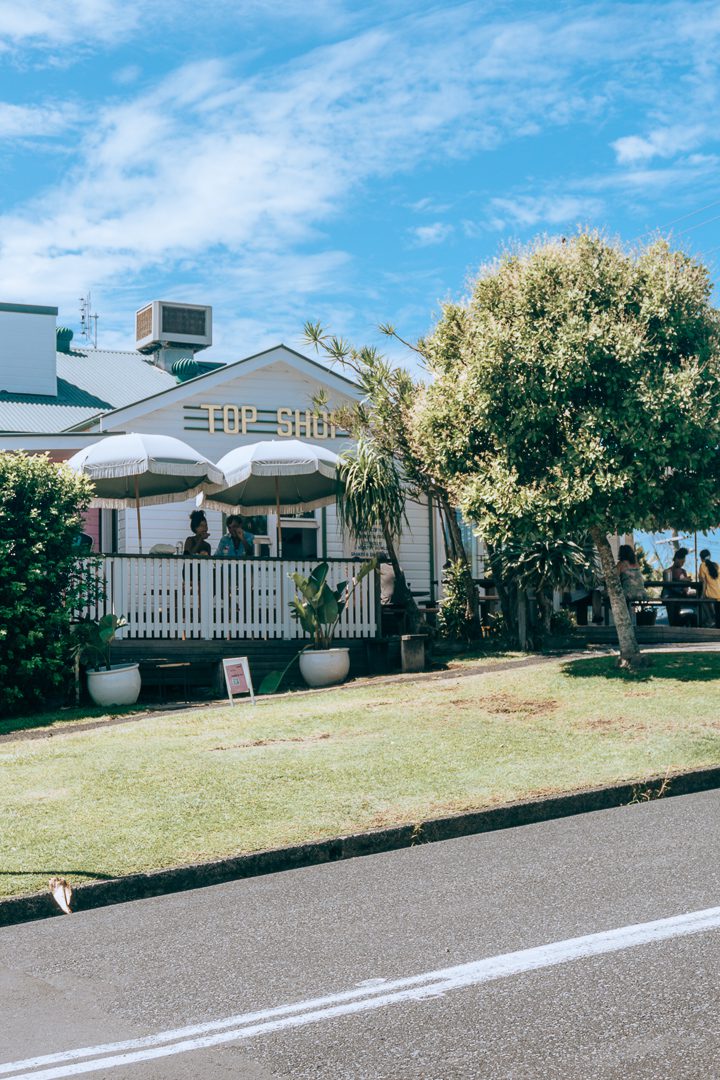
(510, 815)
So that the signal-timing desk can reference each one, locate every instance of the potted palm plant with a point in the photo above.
(318, 607)
(108, 684)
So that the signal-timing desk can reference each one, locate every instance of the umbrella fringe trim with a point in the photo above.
(148, 500)
(160, 468)
(305, 468)
(266, 508)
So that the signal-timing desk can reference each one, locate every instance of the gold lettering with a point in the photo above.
(212, 409)
(320, 425)
(249, 416)
(284, 422)
(238, 419)
(303, 423)
(231, 420)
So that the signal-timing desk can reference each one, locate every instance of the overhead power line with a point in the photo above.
(691, 213)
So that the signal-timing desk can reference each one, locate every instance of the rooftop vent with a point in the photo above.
(63, 337)
(185, 368)
(162, 324)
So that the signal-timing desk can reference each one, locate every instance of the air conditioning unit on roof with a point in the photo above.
(161, 324)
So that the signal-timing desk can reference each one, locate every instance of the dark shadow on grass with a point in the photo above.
(60, 717)
(683, 667)
(60, 872)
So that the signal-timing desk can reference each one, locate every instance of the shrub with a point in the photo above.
(453, 621)
(40, 517)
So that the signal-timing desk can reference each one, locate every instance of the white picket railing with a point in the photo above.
(178, 597)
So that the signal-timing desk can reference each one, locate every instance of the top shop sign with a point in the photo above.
(228, 419)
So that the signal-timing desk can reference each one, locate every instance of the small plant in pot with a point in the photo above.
(108, 684)
(318, 607)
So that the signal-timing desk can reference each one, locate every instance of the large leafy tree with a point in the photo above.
(579, 391)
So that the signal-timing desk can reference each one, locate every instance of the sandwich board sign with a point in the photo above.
(237, 678)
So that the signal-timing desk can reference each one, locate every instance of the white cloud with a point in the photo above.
(663, 142)
(426, 235)
(127, 74)
(228, 182)
(58, 22)
(529, 211)
(26, 121)
(429, 205)
(209, 163)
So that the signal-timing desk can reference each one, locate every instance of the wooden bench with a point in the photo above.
(166, 673)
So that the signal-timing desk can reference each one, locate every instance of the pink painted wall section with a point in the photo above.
(92, 527)
(92, 517)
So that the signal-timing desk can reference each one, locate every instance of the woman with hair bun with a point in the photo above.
(197, 544)
(709, 578)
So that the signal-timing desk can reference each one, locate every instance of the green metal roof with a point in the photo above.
(90, 381)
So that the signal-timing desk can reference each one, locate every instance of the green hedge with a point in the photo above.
(41, 509)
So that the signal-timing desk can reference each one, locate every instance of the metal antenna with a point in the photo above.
(88, 322)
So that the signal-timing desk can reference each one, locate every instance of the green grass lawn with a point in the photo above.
(164, 790)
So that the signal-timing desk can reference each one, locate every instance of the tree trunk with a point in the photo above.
(545, 607)
(630, 655)
(472, 601)
(447, 513)
(508, 596)
(402, 592)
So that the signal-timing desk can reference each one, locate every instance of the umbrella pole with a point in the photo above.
(277, 510)
(137, 511)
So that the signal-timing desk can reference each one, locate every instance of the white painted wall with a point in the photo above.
(277, 384)
(28, 358)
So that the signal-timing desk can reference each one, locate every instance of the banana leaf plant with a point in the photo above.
(93, 637)
(318, 608)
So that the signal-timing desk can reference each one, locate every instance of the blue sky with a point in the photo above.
(343, 162)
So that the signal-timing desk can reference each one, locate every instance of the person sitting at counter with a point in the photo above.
(197, 544)
(675, 593)
(238, 544)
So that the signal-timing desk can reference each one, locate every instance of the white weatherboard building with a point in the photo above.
(59, 399)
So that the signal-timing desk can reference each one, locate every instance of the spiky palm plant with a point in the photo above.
(373, 496)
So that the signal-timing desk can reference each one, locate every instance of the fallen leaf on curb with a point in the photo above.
(62, 893)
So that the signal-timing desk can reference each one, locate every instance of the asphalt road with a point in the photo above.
(327, 972)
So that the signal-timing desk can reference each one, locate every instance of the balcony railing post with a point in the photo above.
(117, 599)
(206, 598)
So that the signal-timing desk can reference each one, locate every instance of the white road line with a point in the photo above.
(375, 994)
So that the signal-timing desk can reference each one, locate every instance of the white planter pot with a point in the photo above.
(324, 667)
(118, 686)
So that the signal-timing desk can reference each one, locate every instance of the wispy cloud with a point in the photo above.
(28, 121)
(663, 143)
(234, 181)
(529, 211)
(426, 235)
(429, 205)
(71, 21)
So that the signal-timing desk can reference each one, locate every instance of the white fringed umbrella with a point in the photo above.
(265, 477)
(144, 470)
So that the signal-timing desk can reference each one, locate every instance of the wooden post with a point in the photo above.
(137, 511)
(205, 585)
